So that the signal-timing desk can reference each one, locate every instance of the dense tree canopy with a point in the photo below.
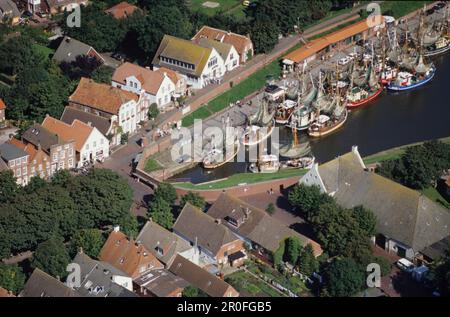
(89, 240)
(52, 257)
(344, 277)
(12, 277)
(167, 192)
(161, 212)
(194, 199)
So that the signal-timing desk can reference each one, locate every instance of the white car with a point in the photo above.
(405, 265)
(344, 61)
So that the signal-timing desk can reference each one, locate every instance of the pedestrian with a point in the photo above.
(271, 191)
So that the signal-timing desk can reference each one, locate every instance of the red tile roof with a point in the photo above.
(150, 80)
(2, 104)
(122, 10)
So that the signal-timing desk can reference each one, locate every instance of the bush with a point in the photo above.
(270, 209)
(153, 111)
(124, 138)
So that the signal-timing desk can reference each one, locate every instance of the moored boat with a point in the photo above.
(406, 80)
(306, 162)
(284, 111)
(268, 163)
(440, 47)
(326, 125)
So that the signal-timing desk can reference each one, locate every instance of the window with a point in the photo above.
(62, 154)
(33, 169)
(12, 163)
(40, 167)
(24, 160)
(70, 163)
(55, 157)
(61, 165)
(18, 172)
(95, 144)
(70, 152)
(24, 170)
(87, 146)
(18, 162)
(212, 62)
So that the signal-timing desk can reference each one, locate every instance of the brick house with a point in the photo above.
(128, 255)
(213, 241)
(59, 153)
(241, 43)
(16, 160)
(124, 109)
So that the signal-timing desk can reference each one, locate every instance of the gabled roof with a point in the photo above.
(11, 152)
(200, 278)
(97, 279)
(8, 7)
(38, 135)
(40, 284)
(194, 224)
(153, 236)
(238, 41)
(161, 283)
(2, 104)
(77, 131)
(438, 249)
(101, 96)
(223, 48)
(69, 49)
(184, 51)
(402, 213)
(317, 45)
(258, 226)
(6, 293)
(128, 256)
(71, 114)
(122, 10)
(174, 76)
(32, 151)
(150, 81)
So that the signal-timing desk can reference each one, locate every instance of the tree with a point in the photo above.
(366, 219)
(153, 111)
(12, 277)
(52, 257)
(307, 199)
(35, 183)
(167, 192)
(103, 74)
(344, 277)
(129, 225)
(270, 209)
(264, 36)
(307, 262)
(8, 186)
(194, 199)
(277, 256)
(90, 240)
(82, 66)
(192, 291)
(61, 178)
(161, 212)
(440, 273)
(293, 248)
(102, 197)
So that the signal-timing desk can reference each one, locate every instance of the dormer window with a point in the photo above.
(159, 250)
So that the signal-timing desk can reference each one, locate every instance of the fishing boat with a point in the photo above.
(267, 163)
(304, 115)
(303, 162)
(406, 80)
(216, 158)
(284, 111)
(358, 96)
(326, 125)
(260, 125)
(441, 46)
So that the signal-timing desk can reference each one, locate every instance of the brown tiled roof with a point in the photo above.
(71, 114)
(238, 41)
(77, 131)
(38, 135)
(202, 279)
(174, 76)
(319, 44)
(2, 104)
(5, 293)
(122, 10)
(128, 256)
(192, 223)
(101, 96)
(151, 81)
(258, 226)
(161, 283)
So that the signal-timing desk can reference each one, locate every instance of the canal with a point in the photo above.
(392, 120)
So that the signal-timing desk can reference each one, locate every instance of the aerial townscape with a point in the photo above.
(224, 148)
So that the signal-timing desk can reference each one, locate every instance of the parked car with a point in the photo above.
(405, 265)
(344, 61)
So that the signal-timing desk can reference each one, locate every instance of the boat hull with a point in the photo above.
(437, 52)
(394, 87)
(322, 133)
(352, 105)
(218, 164)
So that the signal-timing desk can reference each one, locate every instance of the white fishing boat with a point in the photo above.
(267, 163)
(306, 162)
(284, 111)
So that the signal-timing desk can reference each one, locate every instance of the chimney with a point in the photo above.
(89, 123)
(116, 228)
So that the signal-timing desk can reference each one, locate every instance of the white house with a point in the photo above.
(157, 87)
(200, 65)
(125, 109)
(227, 51)
(90, 144)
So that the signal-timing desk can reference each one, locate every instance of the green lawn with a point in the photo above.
(250, 286)
(253, 83)
(400, 8)
(152, 165)
(43, 50)
(240, 178)
(435, 196)
(233, 7)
